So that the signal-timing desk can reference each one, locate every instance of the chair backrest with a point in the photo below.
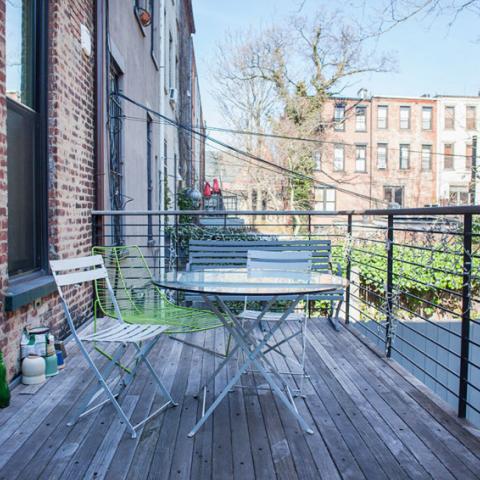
(131, 280)
(279, 261)
(233, 253)
(75, 271)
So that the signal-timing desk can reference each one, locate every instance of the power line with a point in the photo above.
(298, 139)
(247, 154)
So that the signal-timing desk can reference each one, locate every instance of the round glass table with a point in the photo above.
(213, 284)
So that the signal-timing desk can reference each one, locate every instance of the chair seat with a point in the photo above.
(270, 316)
(125, 333)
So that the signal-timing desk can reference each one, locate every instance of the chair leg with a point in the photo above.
(92, 392)
(334, 319)
(106, 388)
(143, 357)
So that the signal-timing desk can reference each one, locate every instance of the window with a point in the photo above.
(449, 118)
(382, 117)
(471, 118)
(154, 36)
(338, 158)
(116, 174)
(149, 179)
(458, 195)
(468, 156)
(427, 118)
(405, 118)
(393, 195)
(326, 199)
(361, 119)
(339, 117)
(254, 199)
(361, 158)
(382, 155)
(26, 71)
(448, 156)
(426, 157)
(171, 62)
(317, 158)
(404, 157)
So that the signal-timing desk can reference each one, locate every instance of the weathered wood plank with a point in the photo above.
(423, 454)
(125, 450)
(202, 447)
(447, 448)
(142, 455)
(166, 437)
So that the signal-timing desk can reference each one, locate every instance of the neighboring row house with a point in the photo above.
(70, 144)
(403, 150)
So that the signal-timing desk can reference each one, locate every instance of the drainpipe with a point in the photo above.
(162, 100)
(100, 17)
(161, 187)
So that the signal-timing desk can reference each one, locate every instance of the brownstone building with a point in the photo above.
(381, 148)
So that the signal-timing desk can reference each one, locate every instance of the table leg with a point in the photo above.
(253, 351)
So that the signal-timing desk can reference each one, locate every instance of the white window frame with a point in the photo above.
(382, 122)
(429, 125)
(405, 108)
(326, 200)
(425, 148)
(384, 165)
(404, 147)
(338, 161)
(362, 126)
(358, 158)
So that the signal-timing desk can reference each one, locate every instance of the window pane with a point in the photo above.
(387, 194)
(339, 117)
(404, 156)
(360, 158)
(338, 158)
(19, 51)
(468, 156)
(426, 157)
(449, 117)
(317, 158)
(471, 118)
(22, 218)
(427, 118)
(361, 119)
(404, 117)
(382, 116)
(382, 155)
(448, 156)
(399, 195)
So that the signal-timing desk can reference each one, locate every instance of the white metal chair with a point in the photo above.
(143, 337)
(274, 264)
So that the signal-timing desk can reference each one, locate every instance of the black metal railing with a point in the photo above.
(414, 276)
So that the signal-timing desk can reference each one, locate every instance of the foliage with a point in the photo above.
(428, 280)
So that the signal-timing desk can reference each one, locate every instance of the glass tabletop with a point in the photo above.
(240, 281)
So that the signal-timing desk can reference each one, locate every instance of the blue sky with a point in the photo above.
(431, 56)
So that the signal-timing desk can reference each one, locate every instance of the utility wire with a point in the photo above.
(246, 154)
(299, 139)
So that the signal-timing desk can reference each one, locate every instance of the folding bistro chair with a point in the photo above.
(273, 264)
(143, 338)
(141, 302)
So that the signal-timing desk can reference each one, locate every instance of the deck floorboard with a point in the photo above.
(370, 419)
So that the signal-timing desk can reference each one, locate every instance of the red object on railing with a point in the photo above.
(207, 190)
(216, 186)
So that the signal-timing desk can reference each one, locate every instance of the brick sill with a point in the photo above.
(23, 292)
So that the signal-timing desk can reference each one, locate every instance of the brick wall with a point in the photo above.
(70, 168)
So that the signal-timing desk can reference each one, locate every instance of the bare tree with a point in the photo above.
(279, 78)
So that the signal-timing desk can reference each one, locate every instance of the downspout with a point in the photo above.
(161, 241)
(99, 113)
(162, 102)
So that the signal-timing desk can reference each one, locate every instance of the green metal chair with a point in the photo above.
(142, 302)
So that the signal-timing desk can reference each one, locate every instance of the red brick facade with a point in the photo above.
(71, 159)
(418, 184)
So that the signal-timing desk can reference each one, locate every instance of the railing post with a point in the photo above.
(349, 268)
(389, 289)
(466, 305)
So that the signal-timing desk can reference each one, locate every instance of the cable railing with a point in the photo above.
(413, 290)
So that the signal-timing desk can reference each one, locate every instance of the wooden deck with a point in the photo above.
(370, 419)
